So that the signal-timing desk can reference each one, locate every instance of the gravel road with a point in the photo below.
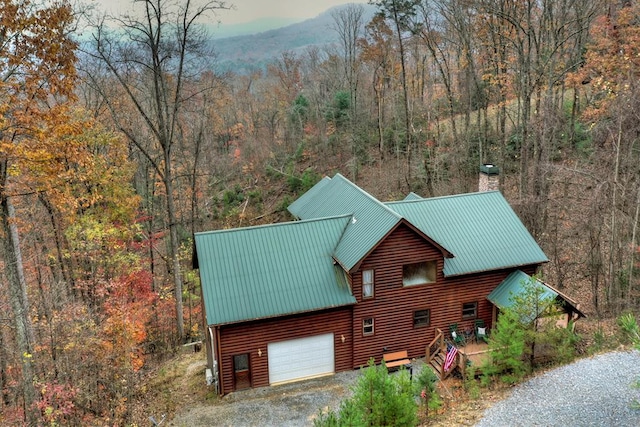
(598, 391)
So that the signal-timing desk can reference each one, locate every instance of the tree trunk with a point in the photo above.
(19, 305)
(174, 248)
(4, 392)
(612, 287)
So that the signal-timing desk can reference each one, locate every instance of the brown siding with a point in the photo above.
(253, 336)
(393, 305)
(392, 308)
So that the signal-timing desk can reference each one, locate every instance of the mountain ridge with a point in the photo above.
(243, 54)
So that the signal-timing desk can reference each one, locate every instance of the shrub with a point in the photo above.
(507, 342)
(379, 399)
(629, 327)
(425, 387)
(561, 342)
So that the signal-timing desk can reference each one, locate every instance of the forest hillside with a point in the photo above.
(120, 144)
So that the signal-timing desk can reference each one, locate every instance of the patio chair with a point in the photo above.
(481, 331)
(456, 336)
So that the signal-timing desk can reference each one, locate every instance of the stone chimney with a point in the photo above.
(489, 180)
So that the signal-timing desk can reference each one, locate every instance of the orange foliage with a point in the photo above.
(612, 61)
(128, 310)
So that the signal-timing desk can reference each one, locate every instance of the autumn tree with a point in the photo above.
(610, 74)
(151, 56)
(90, 333)
(38, 65)
(400, 14)
(377, 51)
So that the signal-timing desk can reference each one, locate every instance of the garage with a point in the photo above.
(300, 358)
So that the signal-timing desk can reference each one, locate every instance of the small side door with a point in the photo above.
(241, 371)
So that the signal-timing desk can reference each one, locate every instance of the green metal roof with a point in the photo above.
(304, 206)
(371, 220)
(480, 229)
(265, 271)
(413, 196)
(502, 295)
(513, 285)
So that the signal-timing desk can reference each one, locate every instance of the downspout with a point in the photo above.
(213, 346)
(213, 376)
(218, 358)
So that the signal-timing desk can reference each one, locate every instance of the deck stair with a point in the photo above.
(437, 363)
(436, 352)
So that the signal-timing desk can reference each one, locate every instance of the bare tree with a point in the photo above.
(349, 24)
(151, 55)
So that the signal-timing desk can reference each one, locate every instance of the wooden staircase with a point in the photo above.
(436, 352)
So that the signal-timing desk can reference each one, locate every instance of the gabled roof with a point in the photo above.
(272, 270)
(502, 296)
(480, 229)
(371, 220)
(413, 196)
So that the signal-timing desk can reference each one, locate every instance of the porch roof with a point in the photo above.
(502, 296)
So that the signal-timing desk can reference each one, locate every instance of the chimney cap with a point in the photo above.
(490, 169)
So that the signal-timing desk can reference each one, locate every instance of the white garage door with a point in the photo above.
(300, 358)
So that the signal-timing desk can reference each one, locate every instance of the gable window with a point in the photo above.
(367, 326)
(469, 310)
(419, 273)
(367, 284)
(421, 318)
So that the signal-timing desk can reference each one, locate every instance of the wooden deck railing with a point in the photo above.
(435, 347)
(435, 355)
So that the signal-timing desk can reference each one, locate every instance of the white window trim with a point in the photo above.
(370, 283)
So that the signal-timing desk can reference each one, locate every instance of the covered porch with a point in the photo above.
(514, 286)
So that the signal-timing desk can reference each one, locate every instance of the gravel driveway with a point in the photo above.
(295, 404)
(597, 391)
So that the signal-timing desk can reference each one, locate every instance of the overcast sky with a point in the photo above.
(250, 10)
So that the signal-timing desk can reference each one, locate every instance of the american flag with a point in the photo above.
(452, 351)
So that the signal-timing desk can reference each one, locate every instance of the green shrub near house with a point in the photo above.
(378, 399)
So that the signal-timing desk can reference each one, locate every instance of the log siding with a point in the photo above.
(392, 307)
(393, 304)
(253, 337)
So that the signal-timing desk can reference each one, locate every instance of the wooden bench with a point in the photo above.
(396, 359)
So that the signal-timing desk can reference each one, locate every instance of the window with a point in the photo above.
(367, 326)
(421, 318)
(367, 284)
(469, 310)
(419, 273)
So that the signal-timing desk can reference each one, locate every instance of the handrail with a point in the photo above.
(439, 346)
(435, 346)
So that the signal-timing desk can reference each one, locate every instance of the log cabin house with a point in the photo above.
(353, 278)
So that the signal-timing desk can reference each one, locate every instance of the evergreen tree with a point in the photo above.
(507, 345)
(379, 399)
